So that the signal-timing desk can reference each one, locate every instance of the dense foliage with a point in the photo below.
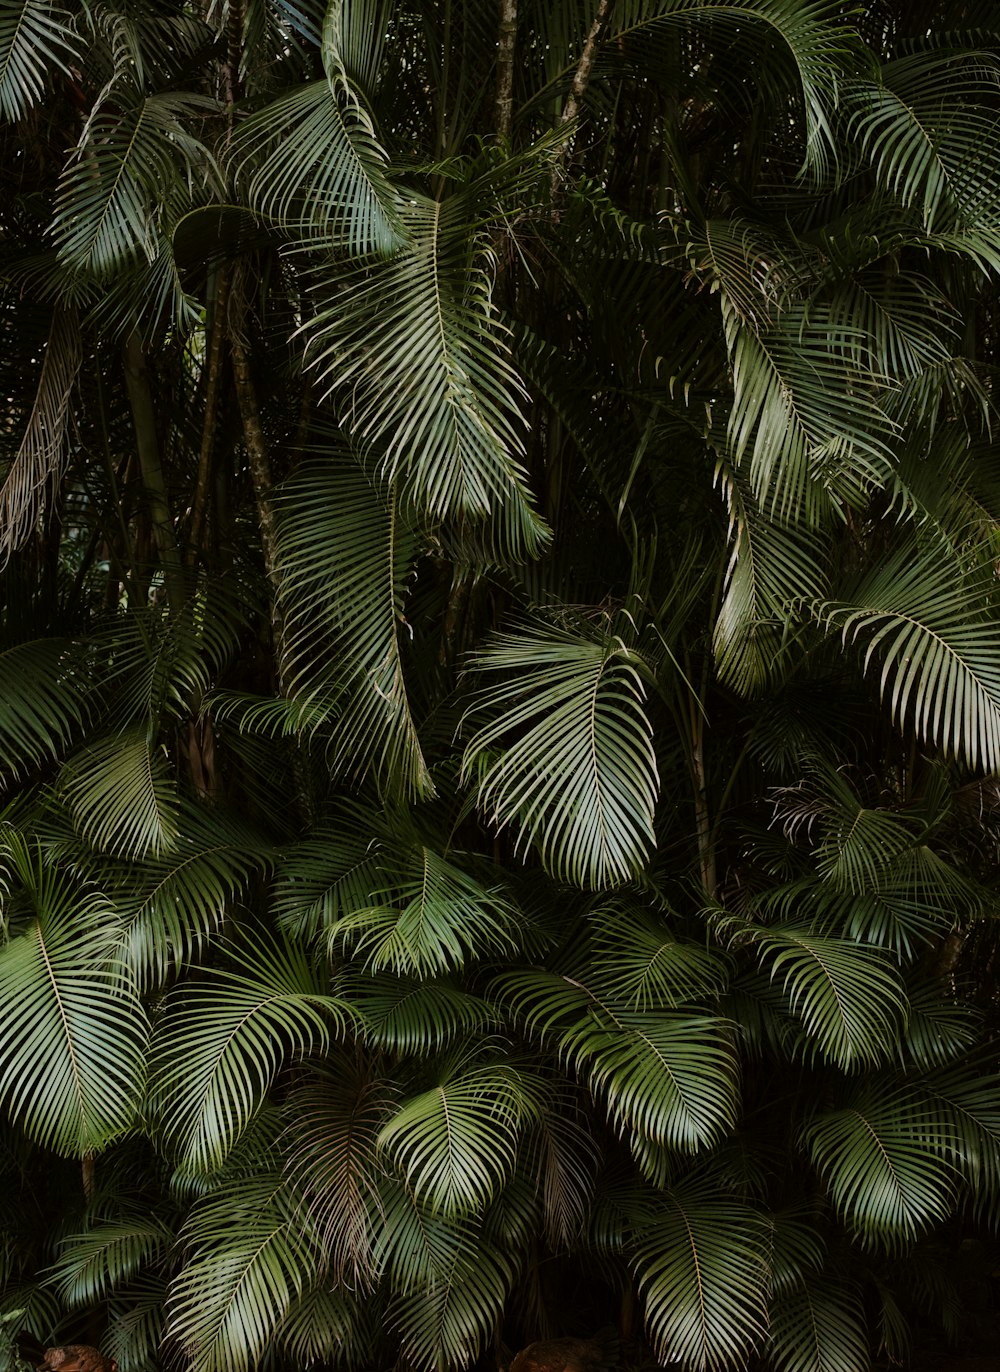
(499, 677)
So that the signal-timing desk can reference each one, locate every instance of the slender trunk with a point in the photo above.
(213, 386)
(148, 449)
(505, 69)
(703, 820)
(581, 80)
(260, 471)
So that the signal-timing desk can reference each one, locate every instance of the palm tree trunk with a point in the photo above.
(148, 449)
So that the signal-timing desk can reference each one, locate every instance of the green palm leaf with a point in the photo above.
(817, 1325)
(456, 1143)
(848, 995)
(345, 556)
(249, 1260)
(121, 796)
(702, 1270)
(639, 964)
(42, 699)
(72, 1030)
(33, 39)
(884, 1158)
(113, 185)
(933, 630)
(412, 351)
(931, 147)
(92, 1264)
(311, 163)
(670, 1076)
(576, 769)
(223, 1040)
(428, 916)
(407, 1015)
(169, 906)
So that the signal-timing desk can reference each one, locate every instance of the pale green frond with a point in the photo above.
(962, 1101)
(345, 555)
(567, 754)
(641, 965)
(93, 1264)
(248, 1261)
(414, 356)
(929, 128)
(170, 906)
(223, 1040)
(113, 185)
(411, 1015)
(456, 1143)
(354, 36)
(885, 1161)
(672, 1077)
(72, 1031)
(806, 420)
(817, 1325)
(770, 568)
(122, 797)
(335, 1115)
(848, 996)
(702, 1270)
(933, 630)
(34, 38)
(43, 693)
(426, 916)
(311, 163)
(940, 1031)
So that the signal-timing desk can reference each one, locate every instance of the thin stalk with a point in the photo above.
(260, 471)
(505, 69)
(148, 449)
(213, 384)
(581, 80)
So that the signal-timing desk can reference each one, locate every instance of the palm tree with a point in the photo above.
(498, 681)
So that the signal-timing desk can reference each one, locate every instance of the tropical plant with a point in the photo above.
(499, 685)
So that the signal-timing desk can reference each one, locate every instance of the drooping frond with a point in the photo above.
(72, 1030)
(34, 38)
(419, 367)
(42, 450)
(567, 753)
(345, 554)
(702, 1269)
(223, 1040)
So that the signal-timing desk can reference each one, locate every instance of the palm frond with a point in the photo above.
(411, 1015)
(933, 630)
(248, 1262)
(34, 38)
(641, 965)
(42, 699)
(455, 1143)
(42, 451)
(335, 1115)
(113, 184)
(702, 1269)
(568, 754)
(849, 997)
(72, 1031)
(223, 1040)
(885, 1160)
(671, 1077)
(310, 162)
(122, 797)
(106, 1256)
(345, 553)
(817, 1325)
(431, 395)
(931, 147)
